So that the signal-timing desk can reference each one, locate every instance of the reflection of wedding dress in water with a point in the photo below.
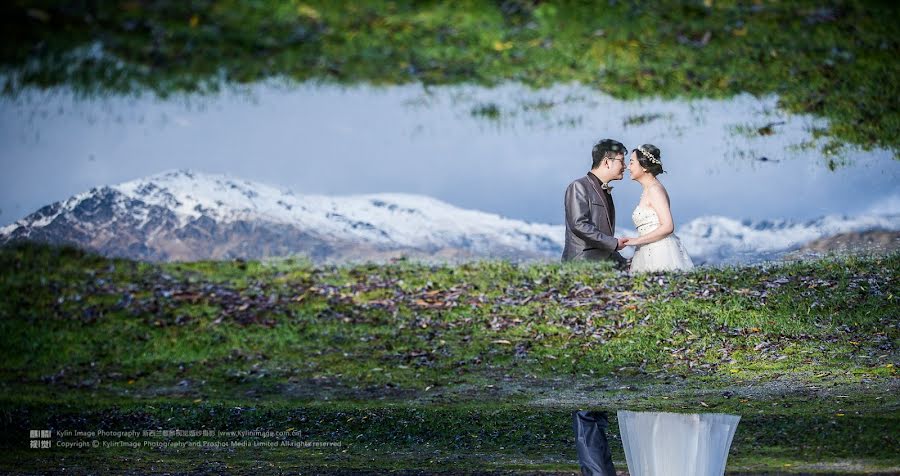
(675, 444)
(665, 254)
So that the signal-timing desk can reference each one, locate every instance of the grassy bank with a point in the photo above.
(834, 59)
(476, 366)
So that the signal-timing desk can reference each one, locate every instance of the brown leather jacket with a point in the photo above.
(590, 223)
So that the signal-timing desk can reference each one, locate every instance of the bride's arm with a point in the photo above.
(660, 203)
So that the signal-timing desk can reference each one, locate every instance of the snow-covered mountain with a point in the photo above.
(722, 240)
(187, 215)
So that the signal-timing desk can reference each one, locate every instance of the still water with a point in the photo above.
(508, 150)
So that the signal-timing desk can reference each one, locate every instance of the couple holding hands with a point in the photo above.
(591, 212)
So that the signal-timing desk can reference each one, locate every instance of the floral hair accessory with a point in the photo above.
(650, 156)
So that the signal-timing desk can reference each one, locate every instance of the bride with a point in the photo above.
(657, 248)
(675, 444)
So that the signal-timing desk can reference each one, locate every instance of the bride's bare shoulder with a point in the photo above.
(658, 192)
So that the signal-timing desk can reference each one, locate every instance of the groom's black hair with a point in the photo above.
(606, 148)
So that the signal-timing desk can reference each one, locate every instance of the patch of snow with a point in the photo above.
(722, 239)
(386, 219)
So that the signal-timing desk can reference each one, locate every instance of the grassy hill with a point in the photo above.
(474, 367)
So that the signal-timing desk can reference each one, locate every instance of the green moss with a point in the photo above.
(788, 347)
(461, 435)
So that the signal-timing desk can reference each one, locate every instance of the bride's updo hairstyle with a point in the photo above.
(649, 157)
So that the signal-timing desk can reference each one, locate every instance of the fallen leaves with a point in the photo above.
(432, 317)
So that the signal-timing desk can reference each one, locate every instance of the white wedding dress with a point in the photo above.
(663, 255)
(676, 444)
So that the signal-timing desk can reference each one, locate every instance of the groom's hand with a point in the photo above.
(623, 242)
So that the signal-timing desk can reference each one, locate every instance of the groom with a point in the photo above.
(590, 211)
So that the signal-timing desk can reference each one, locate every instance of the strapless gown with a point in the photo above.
(676, 444)
(664, 255)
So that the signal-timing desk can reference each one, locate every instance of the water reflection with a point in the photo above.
(508, 150)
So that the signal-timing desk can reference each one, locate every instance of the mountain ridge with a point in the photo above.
(182, 214)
